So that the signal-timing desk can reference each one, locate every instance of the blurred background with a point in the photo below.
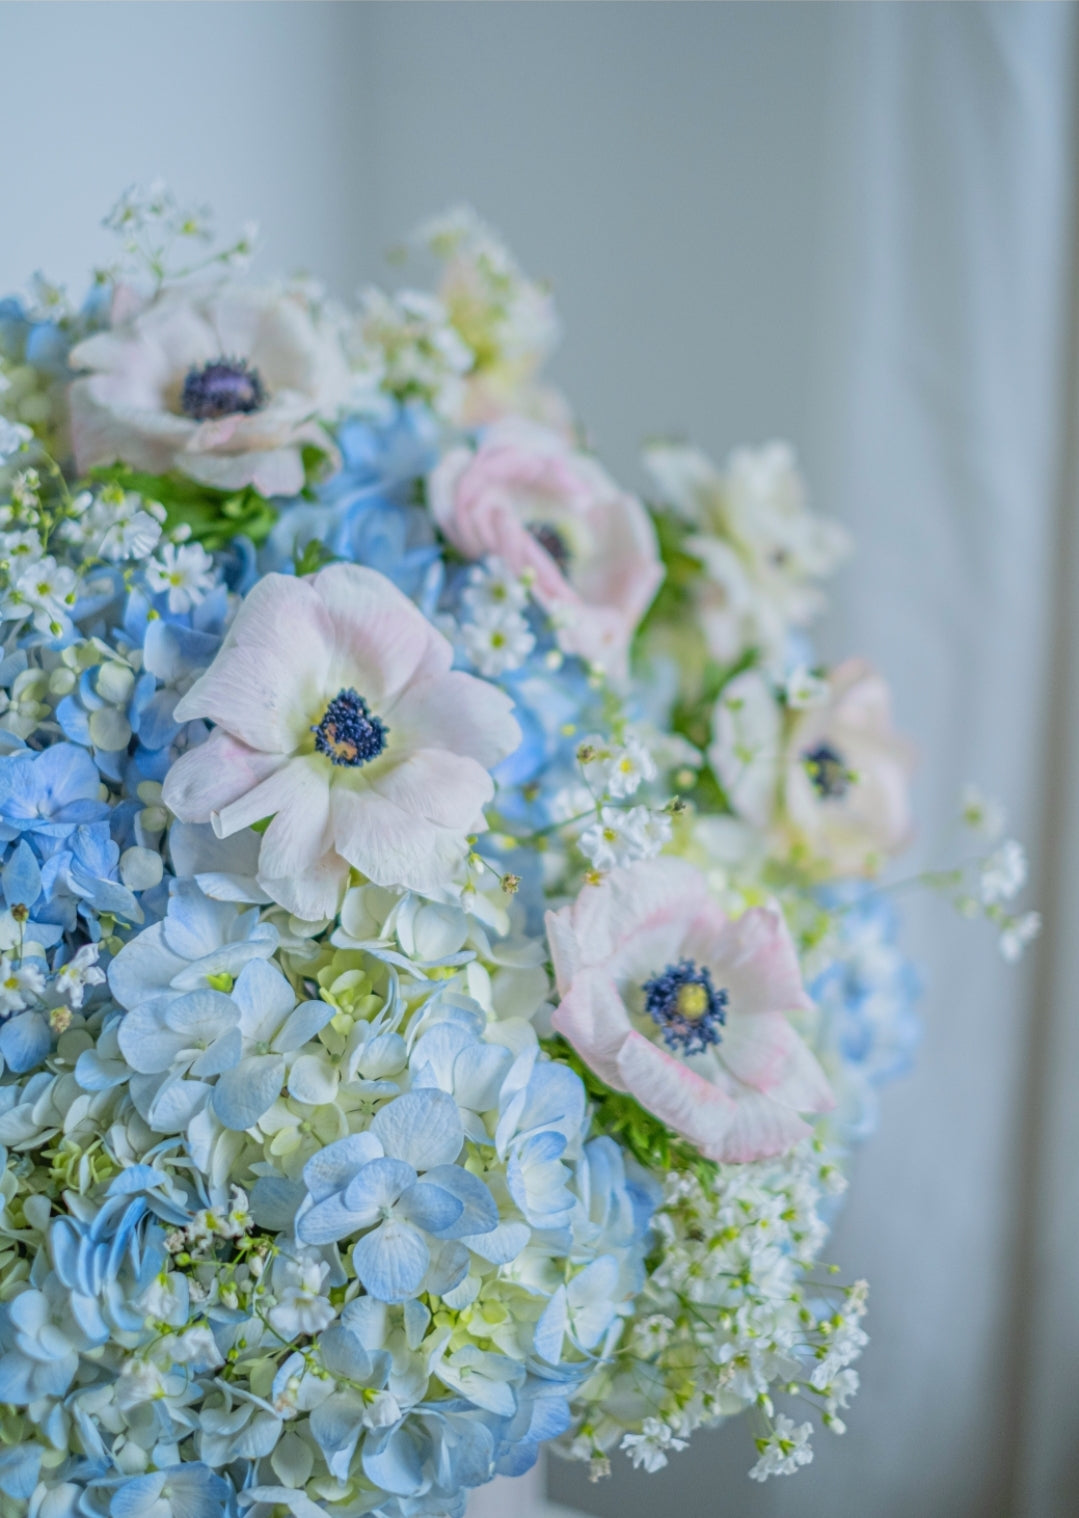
(852, 226)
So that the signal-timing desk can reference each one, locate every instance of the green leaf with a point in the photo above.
(312, 557)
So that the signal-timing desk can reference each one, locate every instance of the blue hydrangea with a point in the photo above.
(308, 1215)
(868, 996)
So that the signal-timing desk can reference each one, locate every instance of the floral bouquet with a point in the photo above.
(441, 976)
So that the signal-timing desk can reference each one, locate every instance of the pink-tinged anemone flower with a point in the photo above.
(666, 998)
(847, 781)
(338, 716)
(225, 384)
(832, 780)
(527, 497)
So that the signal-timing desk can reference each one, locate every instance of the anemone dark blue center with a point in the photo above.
(225, 387)
(349, 733)
(827, 772)
(549, 537)
(686, 1007)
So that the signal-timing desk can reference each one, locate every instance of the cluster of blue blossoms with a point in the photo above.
(430, 1252)
(304, 1217)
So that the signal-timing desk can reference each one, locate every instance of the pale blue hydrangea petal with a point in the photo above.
(450, 1261)
(25, 1040)
(168, 1105)
(343, 1352)
(21, 876)
(393, 1460)
(248, 1090)
(302, 1025)
(377, 1185)
(478, 1211)
(336, 1426)
(290, 1497)
(592, 1296)
(417, 1316)
(502, 1244)
(329, 1221)
(147, 1045)
(421, 1127)
(333, 1167)
(275, 1201)
(383, 1055)
(550, 1331)
(482, 1377)
(19, 1470)
(538, 1181)
(195, 925)
(430, 1207)
(180, 1491)
(143, 968)
(264, 998)
(391, 1261)
(314, 1079)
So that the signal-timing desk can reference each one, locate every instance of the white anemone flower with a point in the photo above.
(225, 384)
(338, 716)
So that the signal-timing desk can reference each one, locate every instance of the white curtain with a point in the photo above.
(851, 225)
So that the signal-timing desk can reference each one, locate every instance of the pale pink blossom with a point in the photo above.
(527, 497)
(668, 999)
(338, 716)
(830, 781)
(226, 384)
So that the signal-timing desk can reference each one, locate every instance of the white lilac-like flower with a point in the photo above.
(650, 1447)
(115, 524)
(185, 572)
(1003, 874)
(13, 436)
(225, 384)
(831, 782)
(1017, 934)
(621, 835)
(299, 1284)
(668, 999)
(507, 322)
(81, 970)
(338, 716)
(497, 640)
(22, 981)
(491, 586)
(48, 591)
(762, 549)
(18, 550)
(981, 813)
(618, 769)
(419, 355)
(784, 1450)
